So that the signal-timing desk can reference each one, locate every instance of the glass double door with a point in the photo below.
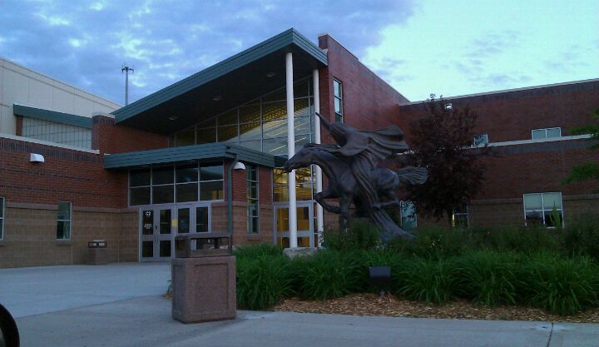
(160, 225)
(305, 224)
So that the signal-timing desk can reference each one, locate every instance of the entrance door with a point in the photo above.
(160, 225)
(305, 225)
(157, 233)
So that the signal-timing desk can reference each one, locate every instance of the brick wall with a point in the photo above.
(30, 235)
(110, 138)
(369, 102)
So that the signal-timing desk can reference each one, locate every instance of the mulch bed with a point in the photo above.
(389, 305)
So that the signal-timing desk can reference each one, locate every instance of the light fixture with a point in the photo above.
(36, 158)
(173, 117)
(270, 74)
(217, 98)
(239, 166)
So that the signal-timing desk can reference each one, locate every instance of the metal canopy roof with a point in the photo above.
(212, 151)
(52, 116)
(230, 83)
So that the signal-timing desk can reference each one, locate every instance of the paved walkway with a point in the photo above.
(122, 305)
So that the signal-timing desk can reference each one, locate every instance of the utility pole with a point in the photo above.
(126, 69)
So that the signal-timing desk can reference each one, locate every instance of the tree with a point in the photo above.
(589, 170)
(442, 141)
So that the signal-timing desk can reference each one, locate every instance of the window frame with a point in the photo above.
(545, 132)
(338, 98)
(545, 210)
(253, 202)
(67, 220)
(2, 213)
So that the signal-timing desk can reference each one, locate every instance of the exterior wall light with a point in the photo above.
(36, 158)
(380, 277)
(239, 166)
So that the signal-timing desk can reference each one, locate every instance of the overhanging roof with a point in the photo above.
(234, 81)
(52, 116)
(212, 151)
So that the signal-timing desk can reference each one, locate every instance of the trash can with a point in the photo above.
(97, 253)
(203, 278)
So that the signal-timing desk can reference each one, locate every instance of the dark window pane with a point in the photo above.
(249, 113)
(202, 219)
(165, 248)
(227, 133)
(165, 221)
(250, 132)
(163, 175)
(228, 118)
(139, 196)
(211, 190)
(187, 192)
(206, 135)
(64, 210)
(147, 249)
(187, 173)
(147, 222)
(186, 137)
(183, 224)
(139, 178)
(210, 172)
(63, 230)
(163, 194)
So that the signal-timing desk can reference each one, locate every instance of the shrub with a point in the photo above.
(256, 251)
(361, 235)
(560, 285)
(427, 280)
(262, 281)
(582, 237)
(380, 257)
(488, 277)
(435, 243)
(328, 274)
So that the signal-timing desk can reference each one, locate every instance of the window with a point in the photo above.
(481, 140)
(253, 221)
(409, 220)
(543, 209)
(546, 133)
(460, 217)
(448, 106)
(181, 183)
(338, 95)
(1, 218)
(63, 225)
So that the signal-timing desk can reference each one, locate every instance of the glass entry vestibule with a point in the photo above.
(160, 224)
(305, 224)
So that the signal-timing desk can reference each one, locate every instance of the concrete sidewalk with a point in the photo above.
(122, 305)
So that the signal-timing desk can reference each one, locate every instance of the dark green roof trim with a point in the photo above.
(213, 151)
(282, 41)
(52, 116)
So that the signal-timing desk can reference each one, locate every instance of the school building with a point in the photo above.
(205, 154)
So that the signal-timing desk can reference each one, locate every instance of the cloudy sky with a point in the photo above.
(450, 48)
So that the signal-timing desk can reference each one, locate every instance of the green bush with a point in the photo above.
(435, 243)
(560, 285)
(517, 239)
(427, 280)
(488, 277)
(256, 251)
(328, 274)
(380, 257)
(582, 236)
(361, 235)
(262, 281)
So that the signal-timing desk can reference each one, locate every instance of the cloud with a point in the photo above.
(85, 43)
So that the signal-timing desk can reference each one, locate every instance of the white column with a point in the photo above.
(319, 210)
(291, 150)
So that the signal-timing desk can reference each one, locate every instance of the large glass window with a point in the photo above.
(181, 183)
(253, 220)
(1, 217)
(543, 209)
(304, 184)
(63, 219)
(259, 125)
(338, 96)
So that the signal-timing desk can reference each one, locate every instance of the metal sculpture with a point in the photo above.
(354, 175)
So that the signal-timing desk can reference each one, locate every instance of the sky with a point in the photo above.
(419, 47)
